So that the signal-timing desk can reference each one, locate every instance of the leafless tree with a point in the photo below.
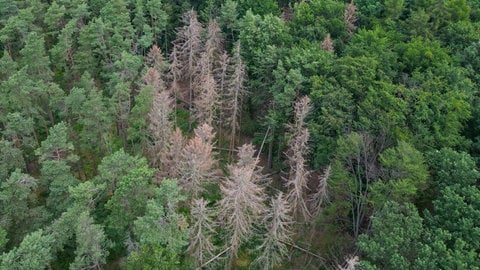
(242, 203)
(197, 164)
(298, 148)
(187, 48)
(278, 223)
(349, 264)
(160, 127)
(173, 157)
(319, 198)
(205, 90)
(214, 45)
(327, 44)
(349, 16)
(235, 93)
(156, 60)
(201, 247)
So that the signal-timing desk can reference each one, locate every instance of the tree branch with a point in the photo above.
(214, 258)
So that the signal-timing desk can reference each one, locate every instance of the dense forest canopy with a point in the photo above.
(239, 134)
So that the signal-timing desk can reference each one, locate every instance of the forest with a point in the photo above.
(239, 134)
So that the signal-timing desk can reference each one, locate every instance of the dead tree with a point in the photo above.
(320, 196)
(327, 44)
(235, 92)
(278, 223)
(242, 203)
(201, 247)
(297, 180)
(187, 48)
(160, 127)
(350, 17)
(197, 164)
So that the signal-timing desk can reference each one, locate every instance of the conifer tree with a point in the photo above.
(91, 251)
(235, 93)
(242, 203)
(197, 165)
(278, 223)
(188, 46)
(201, 246)
(298, 177)
(160, 127)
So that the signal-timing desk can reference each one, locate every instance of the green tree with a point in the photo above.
(394, 242)
(91, 251)
(162, 232)
(20, 213)
(128, 202)
(33, 253)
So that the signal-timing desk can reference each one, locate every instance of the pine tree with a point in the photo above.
(160, 127)
(278, 223)
(327, 44)
(349, 16)
(201, 246)
(188, 46)
(234, 95)
(242, 203)
(298, 177)
(197, 165)
(92, 244)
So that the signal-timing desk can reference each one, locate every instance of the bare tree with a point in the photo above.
(153, 78)
(160, 126)
(197, 164)
(214, 45)
(156, 60)
(327, 44)
(188, 46)
(172, 158)
(206, 101)
(234, 95)
(278, 223)
(320, 196)
(349, 16)
(242, 203)
(349, 264)
(201, 247)
(298, 176)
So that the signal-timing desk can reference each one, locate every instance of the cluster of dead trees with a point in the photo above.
(202, 78)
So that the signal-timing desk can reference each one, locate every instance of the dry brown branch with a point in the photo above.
(298, 148)
(349, 16)
(278, 223)
(201, 247)
(242, 203)
(327, 44)
(197, 164)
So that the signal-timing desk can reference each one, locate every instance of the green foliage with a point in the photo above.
(33, 253)
(128, 201)
(162, 232)
(91, 244)
(10, 159)
(394, 240)
(18, 207)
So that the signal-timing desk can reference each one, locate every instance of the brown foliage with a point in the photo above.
(160, 126)
(327, 44)
(349, 16)
(197, 164)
